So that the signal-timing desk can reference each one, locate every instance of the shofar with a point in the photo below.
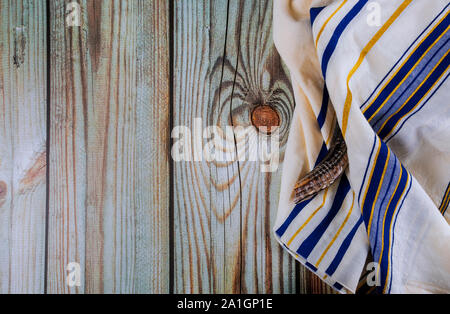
(326, 172)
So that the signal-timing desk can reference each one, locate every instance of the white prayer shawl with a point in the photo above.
(386, 86)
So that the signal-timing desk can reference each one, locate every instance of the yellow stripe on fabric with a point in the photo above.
(406, 76)
(364, 52)
(445, 200)
(378, 191)
(446, 205)
(327, 21)
(371, 175)
(310, 217)
(337, 233)
(384, 218)
(385, 213)
(406, 60)
(412, 95)
(390, 231)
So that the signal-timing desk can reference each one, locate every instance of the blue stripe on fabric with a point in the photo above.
(299, 207)
(337, 34)
(424, 89)
(367, 167)
(445, 200)
(322, 154)
(310, 266)
(393, 233)
(431, 96)
(343, 249)
(384, 188)
(338, 286)
(418, 53)
(415, 79)
(314, 12)
(308, 245)
(382, 202)
(294, 213)
(387, 224)
(324, 108)
(374, 182)
(404, 54)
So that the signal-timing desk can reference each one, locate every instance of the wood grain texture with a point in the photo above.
(312, 284)
(225, 66)
(23, 72)
(109, 164)
(109, 154)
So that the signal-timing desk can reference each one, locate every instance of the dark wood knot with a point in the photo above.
(3, 190)
(265, 119)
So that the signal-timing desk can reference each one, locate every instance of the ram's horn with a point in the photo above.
(326, 172)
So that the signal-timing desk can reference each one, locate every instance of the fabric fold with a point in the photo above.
(385, 85)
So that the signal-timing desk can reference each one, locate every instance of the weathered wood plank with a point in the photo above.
(311, 284)
(260, 80)
(23, 73)
(109, 165)
(225, 66)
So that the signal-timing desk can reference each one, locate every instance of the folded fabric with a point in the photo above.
(379, 70)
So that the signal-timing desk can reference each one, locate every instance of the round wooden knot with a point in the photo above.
(265, 119)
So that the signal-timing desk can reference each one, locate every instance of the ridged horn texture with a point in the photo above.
(326, 172)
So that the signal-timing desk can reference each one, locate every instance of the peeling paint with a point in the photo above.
(20, 43)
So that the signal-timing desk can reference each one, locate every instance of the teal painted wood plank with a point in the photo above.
(109, 180)
(23, 72)
(109, 153)
(225, 66)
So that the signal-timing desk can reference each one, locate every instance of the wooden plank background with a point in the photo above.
(109, 165)
(86, 175)
(23, 69)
